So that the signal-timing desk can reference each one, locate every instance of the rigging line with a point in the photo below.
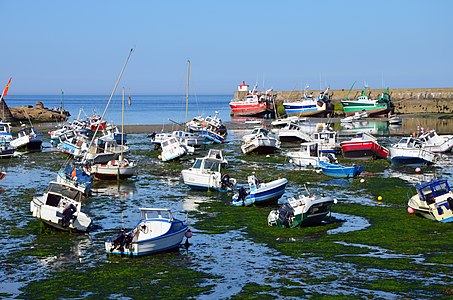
(111, 96)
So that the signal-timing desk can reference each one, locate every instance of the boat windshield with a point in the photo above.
(441, 189)
(197, 164)
(212, 165)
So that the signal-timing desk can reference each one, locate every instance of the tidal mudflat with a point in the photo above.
(367, 249)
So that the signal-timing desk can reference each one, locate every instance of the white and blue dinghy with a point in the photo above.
(156, 231)
(260, 193)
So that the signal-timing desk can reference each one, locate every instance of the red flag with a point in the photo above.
(5, 91)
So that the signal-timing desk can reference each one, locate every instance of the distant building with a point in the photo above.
(243, 87)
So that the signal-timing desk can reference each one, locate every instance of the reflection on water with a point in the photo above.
(116, 189)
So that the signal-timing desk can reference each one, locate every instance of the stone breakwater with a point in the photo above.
(406, 101)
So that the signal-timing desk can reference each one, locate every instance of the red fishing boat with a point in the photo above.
(363, 146)
(254, 104)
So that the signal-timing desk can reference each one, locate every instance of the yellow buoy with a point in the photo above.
(379, 198)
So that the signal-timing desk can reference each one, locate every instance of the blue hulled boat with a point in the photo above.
(340, 171)
(260, 193)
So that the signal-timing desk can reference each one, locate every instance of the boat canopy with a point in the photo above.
(432, 189)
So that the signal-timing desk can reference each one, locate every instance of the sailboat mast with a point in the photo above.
(110, 98)
(122, 123)
(187, 91)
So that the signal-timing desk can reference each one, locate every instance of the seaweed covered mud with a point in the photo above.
(368, 247)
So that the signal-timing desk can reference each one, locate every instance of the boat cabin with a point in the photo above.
(310, 149)
(207, 165)
(55, 192)
(409, 142)
(430, 191)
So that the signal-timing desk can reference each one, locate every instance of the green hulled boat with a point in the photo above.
(373, 107)
(301, 211)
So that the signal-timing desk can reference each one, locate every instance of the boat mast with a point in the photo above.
(187, 91)
(122, 124)
(346, 97)
(110, 99)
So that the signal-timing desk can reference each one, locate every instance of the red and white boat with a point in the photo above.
(254, 104)
(363, 146)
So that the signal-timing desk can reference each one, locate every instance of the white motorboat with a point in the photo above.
(283, 122)
(293, 132)
(156, 231)
(260, 193)
(205, 174)
(114, 169)
(27, 139)
(357, 116)
(262, 142)
(172, 149)
(60, 207)
(103, 150)
(434, 200)
(410, 151)
(327, 139)
(436, 143)
(305, 209)
(188, 138)
(309, 155)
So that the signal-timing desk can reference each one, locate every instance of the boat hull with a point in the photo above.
(242, 108)
(373, 109)
(363, 150)
(154, 245)
(301, 109)
(339, 171)
(267, 193)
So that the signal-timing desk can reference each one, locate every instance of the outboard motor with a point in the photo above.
(119, 241)
(286, 215)
(242, 193)
(68, 214)
(225, 180)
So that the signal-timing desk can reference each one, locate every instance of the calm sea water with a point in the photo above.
(143, 110)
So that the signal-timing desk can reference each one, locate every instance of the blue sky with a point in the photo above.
(80, 46)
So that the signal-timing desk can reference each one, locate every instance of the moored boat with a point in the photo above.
(254, 104)
(76, 177)
(364, 103)
(60, 207)
(156, 231)
(206, 174)
(303, 210)
(114, 169)
(436, 143)
(409, 151)
(363, 146)
(293, 132)
(434, 200)
(260, 193)
(262, 142)
(309, 105)
(340, 171)
(27, 139)
(309, 155)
